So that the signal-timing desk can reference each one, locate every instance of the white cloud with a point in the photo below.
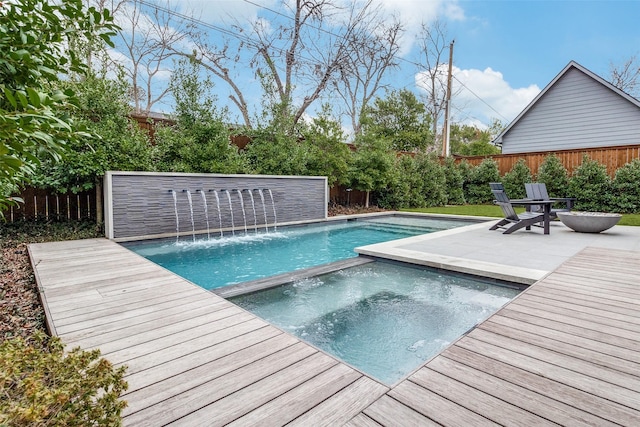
(494, 92)
(414, 13)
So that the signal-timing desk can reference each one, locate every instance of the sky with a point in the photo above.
(505, 52)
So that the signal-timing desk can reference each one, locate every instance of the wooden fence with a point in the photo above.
(611, 157)
(42, 205)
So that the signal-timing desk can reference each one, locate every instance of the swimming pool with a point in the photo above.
(217, 262)
(382, 318)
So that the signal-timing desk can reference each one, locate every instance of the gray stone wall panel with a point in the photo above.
(142, 204)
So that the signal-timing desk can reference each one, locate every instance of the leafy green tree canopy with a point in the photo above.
(200, 139)
(40, 44)
(372, 165)
(328, 154)
(116, 142)
(401, 119)
(469, 140)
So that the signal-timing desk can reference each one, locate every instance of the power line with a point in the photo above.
(481, 100)
(251, 42)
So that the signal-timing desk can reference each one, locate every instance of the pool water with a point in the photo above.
(382, 318)
(221, 261)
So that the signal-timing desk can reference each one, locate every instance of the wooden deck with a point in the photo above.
(566, 351)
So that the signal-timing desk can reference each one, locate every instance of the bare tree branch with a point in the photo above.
(434, 46)
(626, 76)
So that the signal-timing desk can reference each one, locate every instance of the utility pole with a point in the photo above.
(445, 130)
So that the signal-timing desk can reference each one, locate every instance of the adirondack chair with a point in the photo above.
(538, 191)
(513, 221)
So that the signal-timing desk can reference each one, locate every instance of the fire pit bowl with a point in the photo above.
(589, 222)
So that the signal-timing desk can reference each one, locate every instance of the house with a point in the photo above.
(577, 110)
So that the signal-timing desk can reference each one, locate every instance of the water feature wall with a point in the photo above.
(145, 205)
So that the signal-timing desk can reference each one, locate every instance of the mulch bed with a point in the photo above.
(20, 310)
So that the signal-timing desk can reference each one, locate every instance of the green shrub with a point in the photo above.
(626, 188)
(477, 190)
(433, 180)
(554, 175)
(515, 179)
(40, 385)
(591, 186)
(454, 181)
(406, 187)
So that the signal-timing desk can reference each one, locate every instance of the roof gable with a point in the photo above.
(600, 88)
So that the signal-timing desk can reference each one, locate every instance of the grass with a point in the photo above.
(494, 211)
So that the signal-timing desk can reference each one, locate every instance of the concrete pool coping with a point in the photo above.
(523, 257)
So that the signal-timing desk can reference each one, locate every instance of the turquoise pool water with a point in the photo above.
(216, 262)
(384, 319)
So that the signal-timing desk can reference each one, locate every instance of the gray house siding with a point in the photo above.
(576, 111)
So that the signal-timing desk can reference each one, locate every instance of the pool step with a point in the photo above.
(282, 279)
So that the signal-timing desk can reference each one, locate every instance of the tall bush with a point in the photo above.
(477, 190)
(405, 190)
(515, 179)
(626, 188)
(199, 141)
(433, 180)
(372, 165)
(591, 186)
(328, 155)
(454, 181)
(116, 142)
(554, 175)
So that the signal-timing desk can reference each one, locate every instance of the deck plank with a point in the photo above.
(564, 351)
(343, 405)
(387, 411)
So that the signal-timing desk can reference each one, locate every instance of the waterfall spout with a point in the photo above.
(175, 208)
(206, 211)
(253, 207)
(244, 214)
(233, 226)
(273, 204)
(215, 193)
(264, 210)
(193, 226)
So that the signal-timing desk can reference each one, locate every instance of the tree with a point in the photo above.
(361, 75)
(40, 44)
(200, 139)
(626, 76)
(147, 60)
(401, 119)
(298, 53)
(372, 165)
(470, 141)
(328, 154)
(434, 50)
(115, 143)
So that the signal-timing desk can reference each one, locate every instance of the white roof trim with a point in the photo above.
(572, 64)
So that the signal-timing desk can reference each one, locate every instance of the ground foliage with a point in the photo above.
(42, 383)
